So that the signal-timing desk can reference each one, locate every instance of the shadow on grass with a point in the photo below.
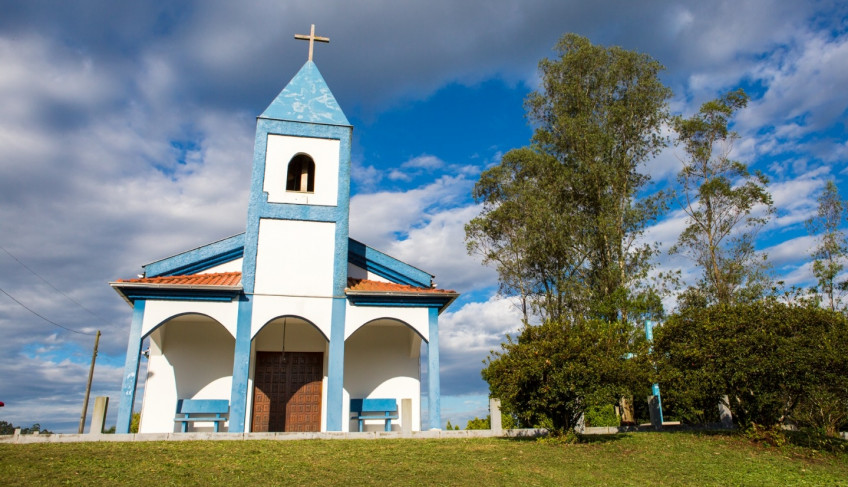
(817, 441)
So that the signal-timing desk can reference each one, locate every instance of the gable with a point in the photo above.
(199, 259)
(222, 255)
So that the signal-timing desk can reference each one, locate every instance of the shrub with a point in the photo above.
(551, 372)
(602, 416)
(776, 362)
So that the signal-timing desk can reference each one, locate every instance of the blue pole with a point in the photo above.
(655, 388)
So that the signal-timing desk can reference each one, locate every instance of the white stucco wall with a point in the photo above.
(324, 152)
(315, 310)
(231, 266)
(191, 357)
(356, 272)
(295, 258)
(382, 360)
(158, 311)
(358, 316)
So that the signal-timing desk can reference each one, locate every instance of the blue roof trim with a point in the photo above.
(199, 259)
(386, 266)
(306, 98)
(440, 301)
(179, 295)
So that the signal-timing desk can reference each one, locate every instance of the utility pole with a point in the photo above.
(88, 386)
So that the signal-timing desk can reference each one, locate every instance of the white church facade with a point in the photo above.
(292, 321)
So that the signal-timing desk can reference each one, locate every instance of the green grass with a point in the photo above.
(628, 459)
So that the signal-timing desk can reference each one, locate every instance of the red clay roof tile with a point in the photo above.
(211, 279)
(364, 285)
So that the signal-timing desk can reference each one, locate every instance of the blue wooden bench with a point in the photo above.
(210, 410)
(383, 409)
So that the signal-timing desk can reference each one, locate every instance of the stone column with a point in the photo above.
(406, 416)
(98, 417)
(724, 412)
(654, 410)
(495, 416)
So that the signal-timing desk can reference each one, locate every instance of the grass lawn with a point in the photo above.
(641, 459)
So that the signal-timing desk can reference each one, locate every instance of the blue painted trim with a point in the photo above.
(335, 366)
(259, 207)
(241, 366)
(387, 266)
(199, 259)
(178, 295)
(125, 409)
(434, 385)
(395, 301)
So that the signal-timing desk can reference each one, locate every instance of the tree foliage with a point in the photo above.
(776, 362)
(7, 428)
(719, 196)
(832, 250)
(552, 372)
(561, 218)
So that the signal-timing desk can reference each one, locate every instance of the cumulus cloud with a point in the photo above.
(467, 335)
(127, 132)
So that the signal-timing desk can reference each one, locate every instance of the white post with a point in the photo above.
(406, 416)
(98, 417)
(724, 412)
(495, 416)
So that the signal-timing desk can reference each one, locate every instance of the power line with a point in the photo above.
(42, 317)
(92, 313)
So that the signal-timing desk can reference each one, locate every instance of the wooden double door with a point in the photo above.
(287, 391)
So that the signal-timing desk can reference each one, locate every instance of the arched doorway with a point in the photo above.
(289, 377)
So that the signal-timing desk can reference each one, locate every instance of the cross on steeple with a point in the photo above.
(311, 38)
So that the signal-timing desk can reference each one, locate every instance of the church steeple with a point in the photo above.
(306, 98)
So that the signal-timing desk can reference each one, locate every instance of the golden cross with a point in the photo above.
(311, 38)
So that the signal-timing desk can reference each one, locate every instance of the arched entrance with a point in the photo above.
(178, 368)
(289, 377)
(382, 360)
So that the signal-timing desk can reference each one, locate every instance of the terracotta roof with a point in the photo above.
(211, 279)
(364, 285)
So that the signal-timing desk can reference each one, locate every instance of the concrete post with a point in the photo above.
(654, 410)
(627, 415)
(724, 412)
(98, 417)
(495, 416)
(406, 416)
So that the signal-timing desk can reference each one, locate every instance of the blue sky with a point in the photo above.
(126, 135)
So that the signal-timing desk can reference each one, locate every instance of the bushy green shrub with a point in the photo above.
(601, 416)
(552, 372)
(776, 362)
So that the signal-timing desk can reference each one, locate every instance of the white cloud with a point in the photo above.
(424, 161)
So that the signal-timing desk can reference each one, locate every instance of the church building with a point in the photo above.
(291, 324)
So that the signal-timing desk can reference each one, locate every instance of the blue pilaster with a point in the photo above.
(125, 409)
(434, 391)
(241, 366)
(335, 366)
